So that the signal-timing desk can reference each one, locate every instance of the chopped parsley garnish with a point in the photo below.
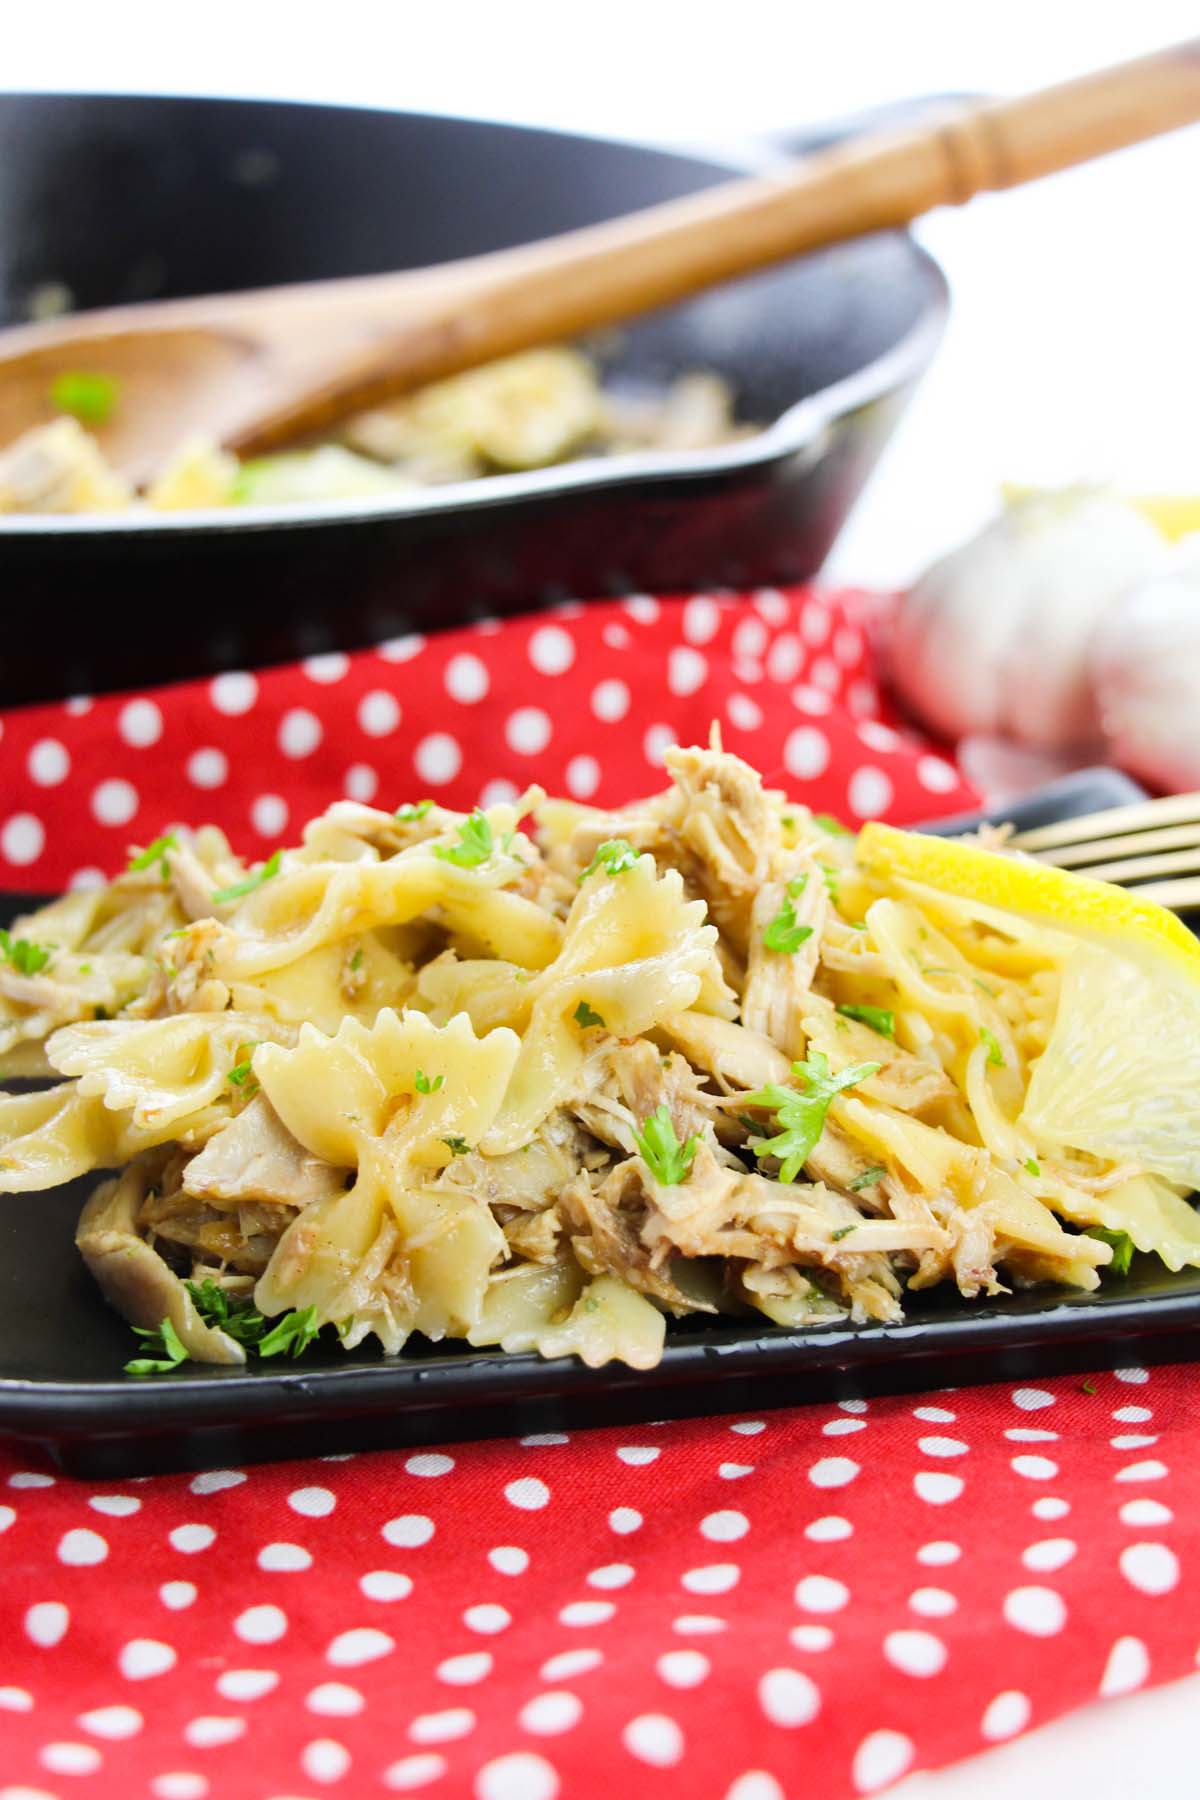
(836, 1237)
(87, 397)
(229, 1312)
(830, 878)
(1122, 1247)
(783, 935)
(457, 1146)
(240, 1319)
(408, 814)
(877, 1017)
(423, 1084)
(155, 853)
(831, 826)
(167, 1347)
(243, 1071)
(614, 855)
(475, 843)
(1087, 1387)
(995, 1055)
(26, 957)
(356, 961)
(801, 1116)
(788, 821)
(345, 1326)
(666, 1158)
(585, 1016)
(868, 1178)
(291, 1335)
(1031, 1167)
(240, 889)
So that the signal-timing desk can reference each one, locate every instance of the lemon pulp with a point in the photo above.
(1120, 1076)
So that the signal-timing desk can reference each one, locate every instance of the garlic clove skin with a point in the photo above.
(993, 639)
(1145, 670)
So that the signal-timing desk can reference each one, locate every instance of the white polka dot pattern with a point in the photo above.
(576, 699)
(817, 1600)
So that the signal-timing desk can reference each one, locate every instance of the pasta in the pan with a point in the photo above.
(545, 1090)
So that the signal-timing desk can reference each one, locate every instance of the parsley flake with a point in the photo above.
(868, 1178)
(240, 889)
(830, 826)
(1087, 1387)
(408, 814)
(801, 1116)
(242, 1073)
(475, 843)
(1031, 1167)
(877, 1017)
(155, 853)
(614, 855)
(26, 957)
(666, 1158)
(782, 934)
(1122, 1247)
(165, 1340)
(87, 397)
(835, 1237)
(457, 1146)
(291, 1335)
(585, 1016)
(995, 1055)
(423, 1084)
(356, 961)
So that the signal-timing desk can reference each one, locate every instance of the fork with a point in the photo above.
(1133, 846)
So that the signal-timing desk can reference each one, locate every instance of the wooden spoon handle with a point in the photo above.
(564, 286)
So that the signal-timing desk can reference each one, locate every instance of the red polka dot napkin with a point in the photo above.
(582, 700)
(808, 1603)
(804, 1603)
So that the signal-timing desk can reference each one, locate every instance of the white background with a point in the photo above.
(1074, 349)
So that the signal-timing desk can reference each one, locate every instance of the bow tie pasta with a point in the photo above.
(548, 1089)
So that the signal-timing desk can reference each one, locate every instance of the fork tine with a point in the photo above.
(1127, 870)
(1180, 896)
(1175, 809)
(1137, 843)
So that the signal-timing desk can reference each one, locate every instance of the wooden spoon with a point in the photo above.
(260, 369)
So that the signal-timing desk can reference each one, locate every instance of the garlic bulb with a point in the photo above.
(993, 639)
(1145, 665)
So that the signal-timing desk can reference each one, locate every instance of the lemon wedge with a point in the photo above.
(1120, 1076)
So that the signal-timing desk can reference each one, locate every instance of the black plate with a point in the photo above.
(61, 1348)
(145, 197)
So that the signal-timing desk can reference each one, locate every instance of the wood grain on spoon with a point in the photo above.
(261, 369)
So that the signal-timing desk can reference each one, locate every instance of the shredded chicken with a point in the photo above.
(538, 1086)
(255, 1158)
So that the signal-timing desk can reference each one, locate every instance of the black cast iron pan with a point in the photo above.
(144, 197)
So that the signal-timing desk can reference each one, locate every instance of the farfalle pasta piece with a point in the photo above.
(160, 1071)
(52, 1136)
(633, 953)
(395, 1102)
(312, 904)
(350, 978)
(57, 1133)
(610, 1322)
